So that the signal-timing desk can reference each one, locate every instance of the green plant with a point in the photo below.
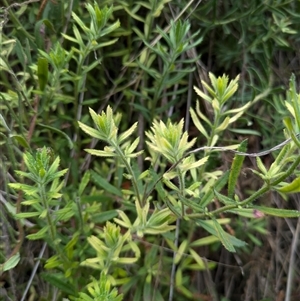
(147, 211)
(170, 52)
(100, 290)
(168, 141)
(191, 201)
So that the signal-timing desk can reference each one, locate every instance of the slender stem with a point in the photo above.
(255, 195)
(52, 228)
(129, 170)
(173, 270)
(79, 84)
(43, 194)
(210, 141)
(78, 204)
(67, 21)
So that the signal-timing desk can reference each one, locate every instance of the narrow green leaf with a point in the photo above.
(103, 183)
(217, 186)
(292, 187)
(159, 217)
(49, 25)
(278, 212)
(52, 262)
(254, 239)
(209, 227)
(224, 199)
(190, 203)
(43, 214)
(42, 72)
(80, 23)
(144, 174)
(261, 166)
(202, 116)
(26, 215)
(83, 183)
(289, 125)
(295, 100)
(69, 38)
(282, 156)
(91, 131)
(3, 122)
(245, 212)
(20, 140)
(59, 281)
(198, 124)
(78, 36)
(245, 132)
(172, 207)
(53, 129)
(203, 95)
(214, 140)
(124, 221)
(28, 189)
(38, 235)
(222, 235)
(238, 110)
(102, 217)
(295, 139)
(39, 41)
(110, 28)
(20, 53)
(223, 126)
(69, 248)
(231, 89)
(236, 169)
(11, 262)
(291, 110)
(4, 65)
(159, 229)
(170, 184)
(205, 241)
(28, 54)
(100, 153)
(107, 43)
(129, 150)
(96, 243)
(65, 213)
(198, 259)
(181, 251)
(87, 69)
(54, 166)
(194, 186)
(209, 89)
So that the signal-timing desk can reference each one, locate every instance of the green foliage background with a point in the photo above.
(54, 67)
